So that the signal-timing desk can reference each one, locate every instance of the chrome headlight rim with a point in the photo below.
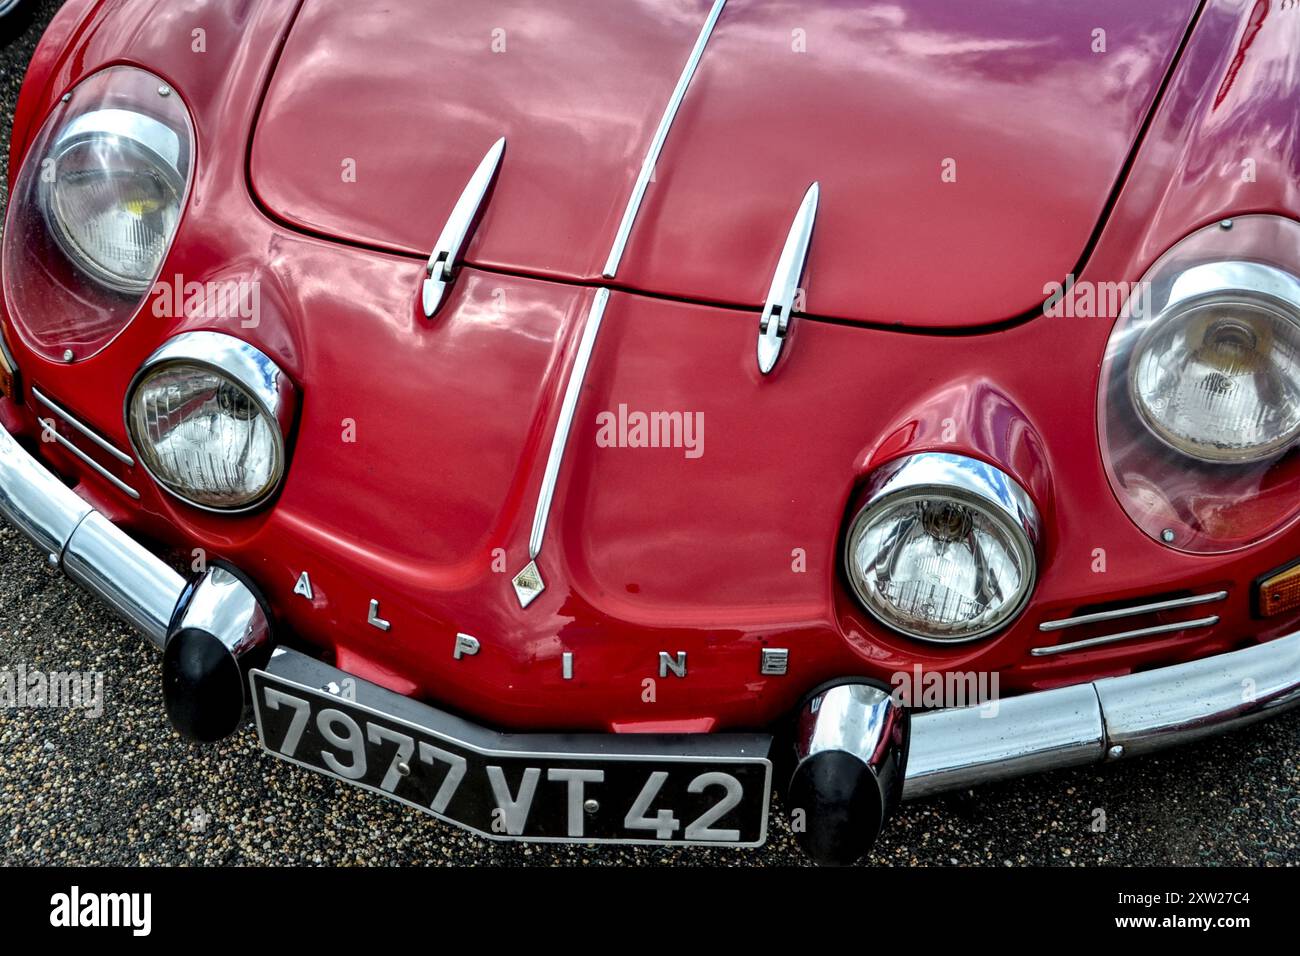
(157, 144)
(931, 476)
(242, 365)
(1243, 282)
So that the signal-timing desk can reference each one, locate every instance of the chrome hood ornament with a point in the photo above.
(775, 322)
(442, 261)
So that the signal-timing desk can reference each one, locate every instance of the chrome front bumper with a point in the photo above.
(1082, 724)
(1105, 720)
(91, 550)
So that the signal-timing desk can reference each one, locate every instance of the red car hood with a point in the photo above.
(966, 153)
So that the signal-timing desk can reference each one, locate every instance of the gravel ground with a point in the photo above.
(123, 788)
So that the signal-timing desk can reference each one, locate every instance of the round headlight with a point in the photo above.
(943, 550)
(113, 195)
(208, 415)
(93, 209)
(1217, 374)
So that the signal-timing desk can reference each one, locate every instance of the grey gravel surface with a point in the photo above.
(123, 788)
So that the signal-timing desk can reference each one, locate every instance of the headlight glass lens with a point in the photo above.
(943, 549)
(115, 195)
(204, 437)
(94, 209)
(1199, 405)
(1220, 379)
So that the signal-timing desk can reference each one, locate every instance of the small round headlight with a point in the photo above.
(943, 550)
(1217, 374)
(208, 415)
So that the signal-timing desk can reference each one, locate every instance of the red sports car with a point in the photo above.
(363, 356)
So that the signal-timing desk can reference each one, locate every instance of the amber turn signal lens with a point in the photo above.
(1280, 592)
(7, 389)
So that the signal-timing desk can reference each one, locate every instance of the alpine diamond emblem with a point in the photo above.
(528, 584)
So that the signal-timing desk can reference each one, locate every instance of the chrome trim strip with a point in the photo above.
(1126, 636)
(775, 320)
(1132, 611)
(48, 428)
(442, 260)
(657, 143)
(565, 422)
(84, 429)
(1108, 719)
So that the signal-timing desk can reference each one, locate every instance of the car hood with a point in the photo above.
(966, 157)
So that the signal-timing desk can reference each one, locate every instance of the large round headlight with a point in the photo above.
(943, 550)
(208, 415)
(113, 196)
(1199, 400)
(93, 210)
(1217, 374)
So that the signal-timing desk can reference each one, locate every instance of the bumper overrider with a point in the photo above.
(856, 751)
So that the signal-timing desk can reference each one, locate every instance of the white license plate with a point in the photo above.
(528, 789)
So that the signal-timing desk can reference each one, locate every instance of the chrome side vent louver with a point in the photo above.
(50, 432)
(1117, 614)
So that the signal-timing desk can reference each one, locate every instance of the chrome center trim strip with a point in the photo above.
(1152, 631)
(1133, 611)
(558, 442)
(72, 420)
(657, 143)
